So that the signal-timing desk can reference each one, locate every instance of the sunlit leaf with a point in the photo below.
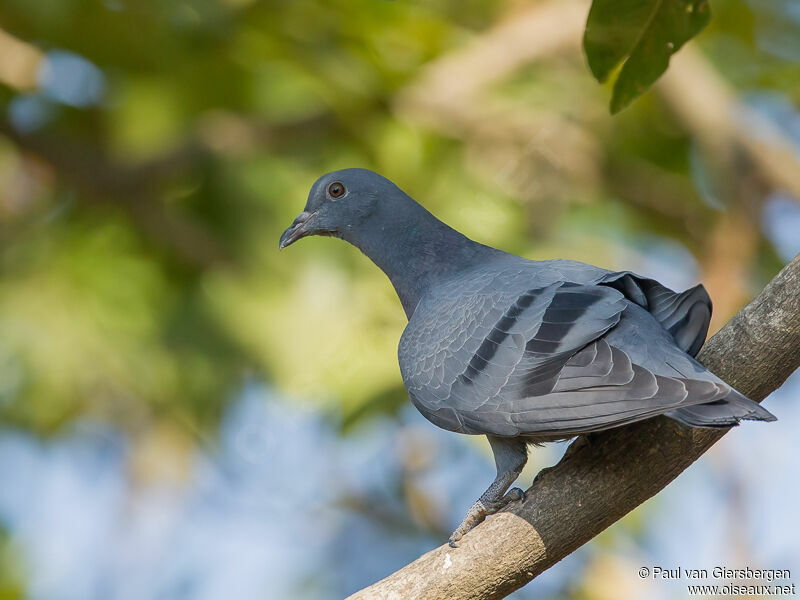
(641, 34)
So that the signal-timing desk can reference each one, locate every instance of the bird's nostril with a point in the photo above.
(301, 218)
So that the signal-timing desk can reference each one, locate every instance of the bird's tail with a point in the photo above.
(722, 413)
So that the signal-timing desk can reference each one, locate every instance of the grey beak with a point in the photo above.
(298, 229)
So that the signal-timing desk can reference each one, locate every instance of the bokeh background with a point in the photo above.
(187, 413)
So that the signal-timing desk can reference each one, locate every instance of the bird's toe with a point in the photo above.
(515, 495)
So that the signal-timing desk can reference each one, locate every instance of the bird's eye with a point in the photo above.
(336, 190)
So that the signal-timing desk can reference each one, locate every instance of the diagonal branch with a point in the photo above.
(135, 190)
(138, 188)
(451, 95)
(604, 477)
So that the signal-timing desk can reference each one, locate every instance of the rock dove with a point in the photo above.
(523, 351)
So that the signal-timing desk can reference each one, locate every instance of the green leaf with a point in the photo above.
(642, 33)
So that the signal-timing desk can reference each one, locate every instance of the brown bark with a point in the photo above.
(603, 478)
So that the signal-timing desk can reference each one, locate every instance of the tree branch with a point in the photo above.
(602, 478)
(710, 107)
(451, 95)
(102, 180)
(137, 188)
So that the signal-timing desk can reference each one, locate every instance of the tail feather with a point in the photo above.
(722, 413)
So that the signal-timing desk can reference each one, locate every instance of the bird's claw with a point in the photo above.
(480, 510)
(514, 495)
(475, 515)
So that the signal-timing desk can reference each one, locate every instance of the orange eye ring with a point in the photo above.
(336, 189)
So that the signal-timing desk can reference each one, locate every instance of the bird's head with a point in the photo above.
(339, 203)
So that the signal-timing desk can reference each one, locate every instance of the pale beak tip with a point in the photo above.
(295, 231)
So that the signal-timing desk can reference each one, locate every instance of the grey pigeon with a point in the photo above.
(523, 351)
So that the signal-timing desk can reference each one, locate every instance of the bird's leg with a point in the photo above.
(510, 456)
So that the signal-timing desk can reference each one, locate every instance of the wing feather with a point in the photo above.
(686, 315)
(535, 362)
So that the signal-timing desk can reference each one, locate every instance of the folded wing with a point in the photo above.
(538, 365)
(685, 315)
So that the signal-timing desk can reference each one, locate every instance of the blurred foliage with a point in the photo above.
(11, 588)
(153, 152)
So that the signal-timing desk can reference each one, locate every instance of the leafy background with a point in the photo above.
(187, 413)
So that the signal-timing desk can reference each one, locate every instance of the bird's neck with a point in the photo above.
(416, 251)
